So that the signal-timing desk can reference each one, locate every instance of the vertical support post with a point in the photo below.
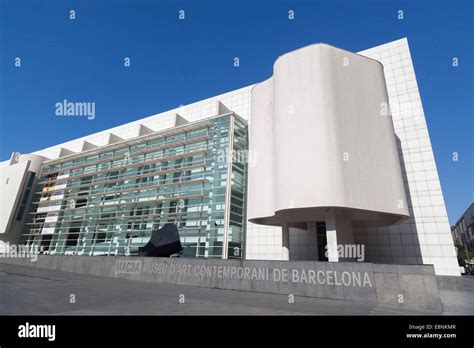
(230, 148)
(312, 230)
(285, 241)
(331, 236)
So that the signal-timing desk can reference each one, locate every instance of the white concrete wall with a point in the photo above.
(237, 101)
(425, 237)
(12, 180)
(303, 244)
(320, 139)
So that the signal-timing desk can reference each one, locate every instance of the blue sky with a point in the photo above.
(177, 62)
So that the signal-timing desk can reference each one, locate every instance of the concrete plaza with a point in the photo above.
(32, 291)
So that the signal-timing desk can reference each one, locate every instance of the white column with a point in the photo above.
(331, 236)
(285, 241)
(313, 231)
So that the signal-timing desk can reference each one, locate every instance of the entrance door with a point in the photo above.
(321, 240)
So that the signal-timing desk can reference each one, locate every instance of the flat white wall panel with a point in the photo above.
(11, 185)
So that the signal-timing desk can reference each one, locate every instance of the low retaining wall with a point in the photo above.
(401, 285)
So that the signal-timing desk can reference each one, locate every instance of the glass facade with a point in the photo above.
(106, 201)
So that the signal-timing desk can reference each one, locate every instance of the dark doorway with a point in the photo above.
(321, 240)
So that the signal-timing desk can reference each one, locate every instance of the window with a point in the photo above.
(119, 199)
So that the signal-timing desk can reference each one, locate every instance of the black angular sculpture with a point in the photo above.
(163, 242)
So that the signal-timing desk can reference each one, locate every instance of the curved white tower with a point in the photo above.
(17, 182)
(329, 163)
(325, 144)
